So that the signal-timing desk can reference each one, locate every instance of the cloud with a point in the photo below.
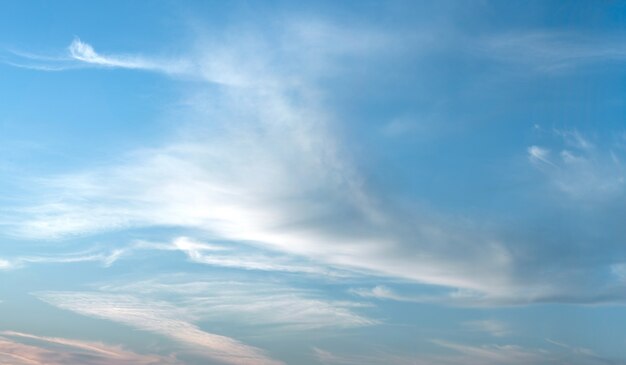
(264, 165)
(80, 55)
(161, 318)
(21, 261)
(249, 303)
(472, 354)
(551, 51)
(5, 264)
(490, 326)
(539, 154)
(272, 173)
(84, 52)
(386, 293)
(329, 358)
(172, 305)
(582, 170)
(233, 255)
(25, 349)
(240, 257)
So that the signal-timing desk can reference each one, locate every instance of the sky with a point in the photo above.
(330, 183)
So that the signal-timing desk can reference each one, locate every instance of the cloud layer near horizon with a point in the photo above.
(25, 349)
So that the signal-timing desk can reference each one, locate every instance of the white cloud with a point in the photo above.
(235, 256)
(383, 292)
(584, 171)
(263, 166)
(106, 259)
(274, 175)
(276, 180)
(84, 52)
(5, 264)
(80, 54)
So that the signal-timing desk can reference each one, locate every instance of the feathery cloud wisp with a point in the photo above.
(249, 303)
(25, 349)
(161, 318)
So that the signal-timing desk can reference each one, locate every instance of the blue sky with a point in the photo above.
(275, 182)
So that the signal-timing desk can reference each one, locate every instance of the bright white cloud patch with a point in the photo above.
(85, 53)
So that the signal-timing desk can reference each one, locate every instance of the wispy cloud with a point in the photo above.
(80, 55)
(386, 293)
(539, 154)
(473, 354)
(161, 318)
(552, 51)
(250, 303)
(84, 52)
(106, 259)
(269, 170)
(240, 257)
(234, 255)
(172, 305)
(301, 196)
(582, 170)
(329, 358)
(25, 349)
(493, 327)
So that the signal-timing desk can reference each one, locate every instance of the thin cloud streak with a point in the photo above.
(26, 349)
(81, 55)
(84, 52)
(160, 318)
(236, 256)
(473, 354)
(250, 303)
(551, 51)
(493, 327)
